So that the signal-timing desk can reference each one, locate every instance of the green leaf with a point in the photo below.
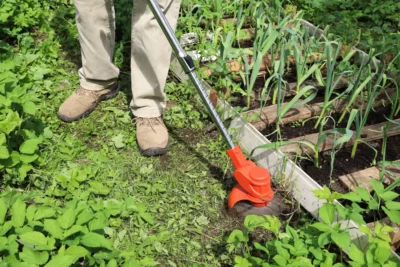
(5, 228)
(341, 239)
(357, 217)
(24, 169)
(3, 211)
(323, 227)
(53, 228)
(113, 263)
(30, 212)
(147, 217)
(324, 239)
(365, 230)
(389, 195)
(18, 210)
(394, 215)
(99, 188)
(373, 204)
(364, 194)
(28, 255)
(3, 139)
(44, 212)
(67, 219)
(98, 223)
(84, 216)
(61, 261)
(4, 154)
(317, 252)
(356, 255)
(10, 123)
(280, 260)
(282, 251)
(292, 232)
(382, 253)
(47, 133)
(33, 238)
(323, 193)
(327, 213)
(29, 146)
(392, 205)
(73, 230)
(11, 161)
(29, 107)
(118, 141)
(377, 186)
(352, 197)
(25, 158)
(77, 252)
(94, 240)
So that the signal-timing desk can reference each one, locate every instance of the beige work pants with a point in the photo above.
(150, 51)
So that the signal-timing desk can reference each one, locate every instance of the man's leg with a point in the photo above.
(151, 56)
(98, 76)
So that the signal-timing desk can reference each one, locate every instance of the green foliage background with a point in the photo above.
(374, 23)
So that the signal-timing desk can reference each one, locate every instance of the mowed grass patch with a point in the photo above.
(182, 195)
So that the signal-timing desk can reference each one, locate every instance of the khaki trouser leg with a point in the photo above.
(96, 27)
(151, 55)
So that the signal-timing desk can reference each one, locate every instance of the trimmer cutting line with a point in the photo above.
(254, 182)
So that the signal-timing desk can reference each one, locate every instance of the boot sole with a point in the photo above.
(108, 96)
(153, 151)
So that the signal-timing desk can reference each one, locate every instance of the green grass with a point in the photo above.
(185, 191)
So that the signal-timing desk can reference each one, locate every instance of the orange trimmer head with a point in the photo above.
(254, 182)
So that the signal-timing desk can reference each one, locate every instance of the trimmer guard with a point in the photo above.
(254, 183)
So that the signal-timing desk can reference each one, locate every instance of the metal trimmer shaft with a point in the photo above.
(187, 64)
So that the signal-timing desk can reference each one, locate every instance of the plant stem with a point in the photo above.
(354, 149)
(320, 117)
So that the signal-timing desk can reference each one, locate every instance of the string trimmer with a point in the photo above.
(254, 182)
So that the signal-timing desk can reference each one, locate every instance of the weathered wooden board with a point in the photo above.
(369, 133)
(362, 178)
(268, 115)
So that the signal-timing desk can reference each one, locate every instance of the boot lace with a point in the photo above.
(84, 92)
(149, 122)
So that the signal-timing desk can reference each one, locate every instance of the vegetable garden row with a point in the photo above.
(328, 106)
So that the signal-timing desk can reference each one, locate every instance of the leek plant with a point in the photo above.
(395, 103)
(308, 92)
(264, 40)
(332, 81)
(303, 72)
(357, 87)
(362, 115)
(241, 16)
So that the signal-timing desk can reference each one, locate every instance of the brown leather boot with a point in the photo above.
(82, 102)
(152, 136)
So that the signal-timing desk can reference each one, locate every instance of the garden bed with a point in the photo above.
(262, 112)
